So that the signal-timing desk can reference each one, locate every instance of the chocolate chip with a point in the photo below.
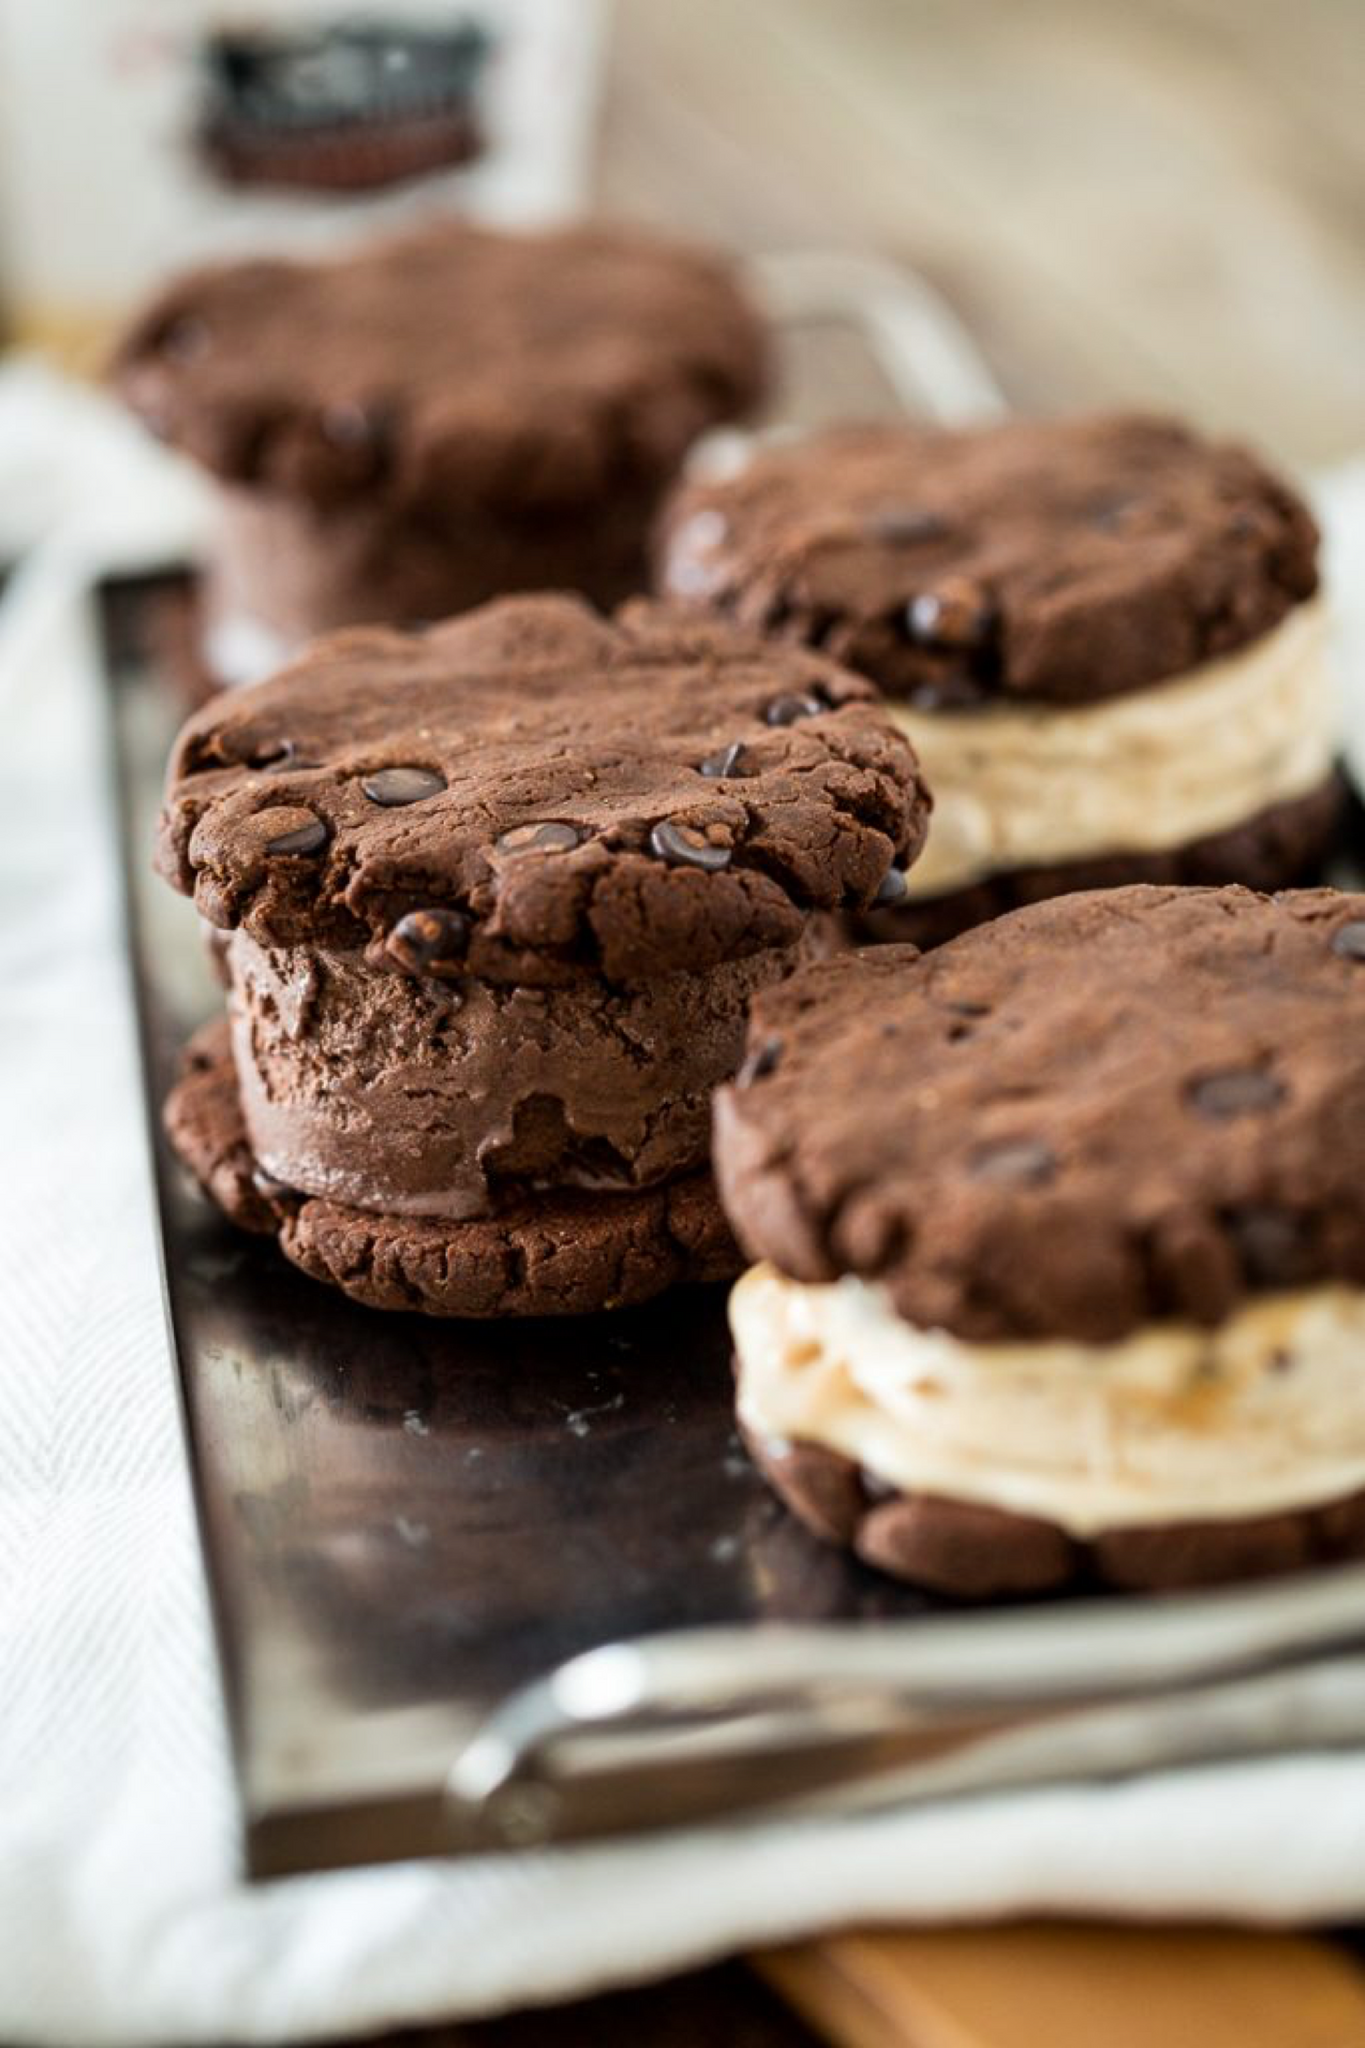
(898, 525)
(698, 535)
(703, 531)
(1348, 940)
(553, 836)
(786, 710)
(186, 339)
(1024, 1160)
(892, 888)
(729, 761)
(686, 847)
(429, 941)
(947, 693)
(350, 426)
(394, 786)
(822, 625)
(310, 838)
(1108, 514)
(959, 613)
(444, 999)
(1239, 1091)
(1274, 1246)
(761, 1061)
(691, 570)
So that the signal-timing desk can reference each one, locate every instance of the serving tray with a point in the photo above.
(413, 1528)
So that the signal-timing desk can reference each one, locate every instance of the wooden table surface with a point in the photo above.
(1150, 201)
(1131, 201)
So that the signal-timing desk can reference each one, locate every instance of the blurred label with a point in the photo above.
(141, 135)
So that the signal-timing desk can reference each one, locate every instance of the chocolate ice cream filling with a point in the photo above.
(421, 1098)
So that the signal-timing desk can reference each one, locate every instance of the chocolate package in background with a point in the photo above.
(194, 128)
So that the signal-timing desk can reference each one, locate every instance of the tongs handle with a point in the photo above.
(926, 353)
(707, 1724)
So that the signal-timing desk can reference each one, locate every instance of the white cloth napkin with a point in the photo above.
(122, 1916)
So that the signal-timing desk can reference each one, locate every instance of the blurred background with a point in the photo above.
(1133, 200)
(1152, 201)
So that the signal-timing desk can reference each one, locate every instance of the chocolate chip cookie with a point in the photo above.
(498, 896)
(1070, 1281)
(1102, 634)
(437, 419)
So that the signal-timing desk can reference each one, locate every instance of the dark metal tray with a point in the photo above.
(407, 1521)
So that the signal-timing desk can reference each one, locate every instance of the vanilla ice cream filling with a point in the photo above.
(1024, 785)
(1175, 1423)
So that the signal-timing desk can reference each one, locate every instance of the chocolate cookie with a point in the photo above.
(439, 418)
(1096, 1112)
(569, 1253)
(1099, 633)
(975, 1552)
(203, 1120)
(1060, 560)
(1069, 1282)
(532, 792)
(497, 898)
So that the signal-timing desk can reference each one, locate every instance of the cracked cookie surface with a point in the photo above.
(1059, 561)
(1098, 1112)
(973, 1552)
(531, 791)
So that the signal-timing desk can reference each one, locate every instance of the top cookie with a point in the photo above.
(1097, 1112)
(532, 370)
(1066, 559)
(556, 791)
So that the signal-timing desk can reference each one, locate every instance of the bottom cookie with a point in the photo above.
(978, 1553)
(1277, 849)
(570, 1253)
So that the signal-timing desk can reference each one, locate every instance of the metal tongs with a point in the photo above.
(709, 1724)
